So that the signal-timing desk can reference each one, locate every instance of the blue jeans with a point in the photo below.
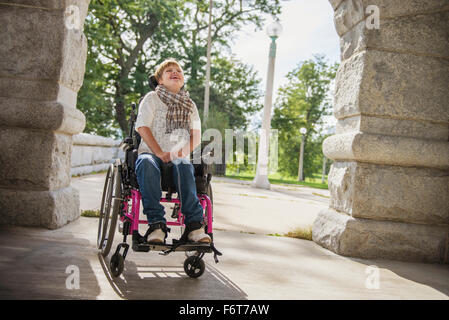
(148, 170)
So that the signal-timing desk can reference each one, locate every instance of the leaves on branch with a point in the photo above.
(128, 38)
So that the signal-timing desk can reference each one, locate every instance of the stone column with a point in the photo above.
(42, 62)
(390, 179)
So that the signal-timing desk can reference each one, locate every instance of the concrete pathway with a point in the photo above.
(237, 206)
(40, 264)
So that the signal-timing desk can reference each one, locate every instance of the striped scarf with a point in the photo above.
(180, 106)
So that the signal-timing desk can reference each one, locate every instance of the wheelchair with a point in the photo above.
(121, 203)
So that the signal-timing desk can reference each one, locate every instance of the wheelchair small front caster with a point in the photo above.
(191, 253)
(117, 264)
(194, 266)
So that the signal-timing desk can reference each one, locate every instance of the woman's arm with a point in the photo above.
(147, 136)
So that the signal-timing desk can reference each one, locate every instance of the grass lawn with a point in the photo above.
(90, 213)
(314, 182)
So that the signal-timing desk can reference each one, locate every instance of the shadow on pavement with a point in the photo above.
(36, 264)
(433, 275)
(170, 282)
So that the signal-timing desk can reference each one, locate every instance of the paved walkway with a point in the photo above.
(237, 206)
(34, 262)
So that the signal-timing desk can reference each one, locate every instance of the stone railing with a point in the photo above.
(93, 153)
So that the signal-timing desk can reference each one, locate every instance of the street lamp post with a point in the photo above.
(207, 84)
(303, 131)
(261, 178)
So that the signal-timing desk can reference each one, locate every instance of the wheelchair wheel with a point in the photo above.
(106, 195)
(110, 205)
(192, 254)
(117, 264)
(194, 266)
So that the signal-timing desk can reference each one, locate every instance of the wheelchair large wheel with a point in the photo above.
(107, 190)
(110, 205)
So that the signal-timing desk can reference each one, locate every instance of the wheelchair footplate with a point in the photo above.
(146, 247)
(182, 244)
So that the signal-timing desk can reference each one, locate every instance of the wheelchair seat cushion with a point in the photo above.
(202, 169)
(200, 172)
(167, 177)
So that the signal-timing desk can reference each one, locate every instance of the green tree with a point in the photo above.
(234, 96)
(234, 92)
(118, 32)
(229, 16)
(128, 38)
(302, 103)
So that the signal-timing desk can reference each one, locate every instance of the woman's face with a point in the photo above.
(172, 78)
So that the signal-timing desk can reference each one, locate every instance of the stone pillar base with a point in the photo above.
(49, 209)
(374, 239)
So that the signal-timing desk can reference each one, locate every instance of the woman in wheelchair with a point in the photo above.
(170, 127)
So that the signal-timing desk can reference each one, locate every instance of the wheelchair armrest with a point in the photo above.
(126, 143)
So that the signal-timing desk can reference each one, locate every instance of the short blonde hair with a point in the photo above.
(166, 63)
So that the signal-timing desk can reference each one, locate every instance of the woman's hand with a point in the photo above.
(177, 154)
(180, 154)
(164, 156)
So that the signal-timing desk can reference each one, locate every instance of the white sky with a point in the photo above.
(308, 29)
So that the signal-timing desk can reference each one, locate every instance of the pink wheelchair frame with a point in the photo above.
(134, 214)
(126, 191)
